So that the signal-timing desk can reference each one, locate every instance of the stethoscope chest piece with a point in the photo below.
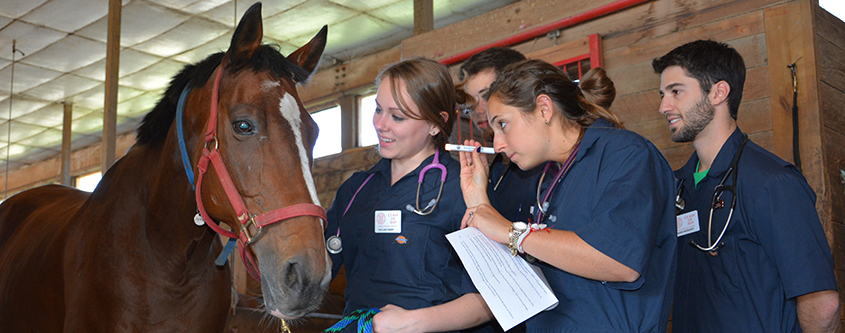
(334, 245)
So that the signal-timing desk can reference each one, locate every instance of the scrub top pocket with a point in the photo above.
(402, 256)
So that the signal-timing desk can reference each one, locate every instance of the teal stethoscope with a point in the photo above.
(334, 244)
(716, 202)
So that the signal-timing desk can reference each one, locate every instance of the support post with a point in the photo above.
(423, 16)
(66, 138)
(110, 105)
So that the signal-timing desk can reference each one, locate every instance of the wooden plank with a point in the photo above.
(831, 63)
(832, 108)
(834, 151)
(790, 37)
(66, 144)
(494, 25)
(724, 30)
(112, 67)
(639, 107)
(634, 78)
(423, 16)
(563, 51)
(755, 116)
(348, 121)
(689, 14)
(346, 78)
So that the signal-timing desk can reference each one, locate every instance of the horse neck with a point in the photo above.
(160, 185)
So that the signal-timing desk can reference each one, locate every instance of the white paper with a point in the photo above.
(512, 289)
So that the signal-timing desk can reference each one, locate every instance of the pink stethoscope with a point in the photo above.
(334, 244)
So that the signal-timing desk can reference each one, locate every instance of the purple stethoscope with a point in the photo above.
(542, 211)
(334, 244)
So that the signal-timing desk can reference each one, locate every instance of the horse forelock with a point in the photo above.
(157, 122)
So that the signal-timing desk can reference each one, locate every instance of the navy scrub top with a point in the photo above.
(775, 247)
(618, 197)
(516, 192)
(413, 269)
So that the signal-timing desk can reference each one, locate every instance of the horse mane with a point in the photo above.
(157, 122)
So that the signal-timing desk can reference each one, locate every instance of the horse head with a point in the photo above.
(250, 140)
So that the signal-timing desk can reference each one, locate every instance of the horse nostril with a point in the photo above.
(291, 275)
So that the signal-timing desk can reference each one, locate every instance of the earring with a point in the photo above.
(547, 122)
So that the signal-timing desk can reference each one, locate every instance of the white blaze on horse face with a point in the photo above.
(290, 110)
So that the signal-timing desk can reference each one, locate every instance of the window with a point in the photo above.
(88, 182)
(366, 132)
(328, 142)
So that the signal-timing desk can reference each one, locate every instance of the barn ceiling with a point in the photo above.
(62, 46)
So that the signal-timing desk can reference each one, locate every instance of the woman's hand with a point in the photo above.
(473, 176)
(489, 221)
(394, 319)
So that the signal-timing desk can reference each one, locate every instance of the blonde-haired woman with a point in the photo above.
(383, 225)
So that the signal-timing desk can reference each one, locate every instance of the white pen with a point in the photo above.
(483, 150)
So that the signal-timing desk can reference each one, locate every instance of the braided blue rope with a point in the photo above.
(364, 318)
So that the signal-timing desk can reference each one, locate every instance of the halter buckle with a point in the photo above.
(245, 231)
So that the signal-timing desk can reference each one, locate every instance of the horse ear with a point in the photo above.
(247, 37)
(309, 54)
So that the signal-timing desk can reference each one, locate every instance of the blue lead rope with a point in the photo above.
(364, 318)
(186, 162)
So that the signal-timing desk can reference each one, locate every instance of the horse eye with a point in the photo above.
(242, 127)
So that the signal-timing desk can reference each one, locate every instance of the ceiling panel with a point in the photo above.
(67, 54)
(131, 61)
(15, 9)
(64, 46)
(225, 13)
(26, 77)
(305, 19)
(54, 14)
(20, 106)
(19, 131)
(61, 88)
(154, 77)
(194, 32)
(135, 23)
(29, 39)
(51, 115)
(139, 105)
(365, 6)
(49, 138)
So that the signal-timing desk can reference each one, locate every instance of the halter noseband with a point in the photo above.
(212, 155)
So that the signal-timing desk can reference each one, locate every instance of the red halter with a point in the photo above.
(211, 154)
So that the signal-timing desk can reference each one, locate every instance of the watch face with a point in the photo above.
(520, 226)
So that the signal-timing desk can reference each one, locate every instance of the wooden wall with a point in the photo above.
(829, 40)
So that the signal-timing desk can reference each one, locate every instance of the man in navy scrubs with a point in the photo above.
(513, 191)
(772, 269)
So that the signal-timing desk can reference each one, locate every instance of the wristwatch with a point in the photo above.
(516, 230)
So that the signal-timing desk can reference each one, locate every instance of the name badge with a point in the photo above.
(688, 223)
(388, 221)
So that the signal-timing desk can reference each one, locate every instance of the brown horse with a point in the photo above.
(128, 257)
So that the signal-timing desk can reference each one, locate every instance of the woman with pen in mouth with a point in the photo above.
(602, 227)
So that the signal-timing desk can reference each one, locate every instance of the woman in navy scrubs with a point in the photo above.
(396, 259)
(608, 244)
